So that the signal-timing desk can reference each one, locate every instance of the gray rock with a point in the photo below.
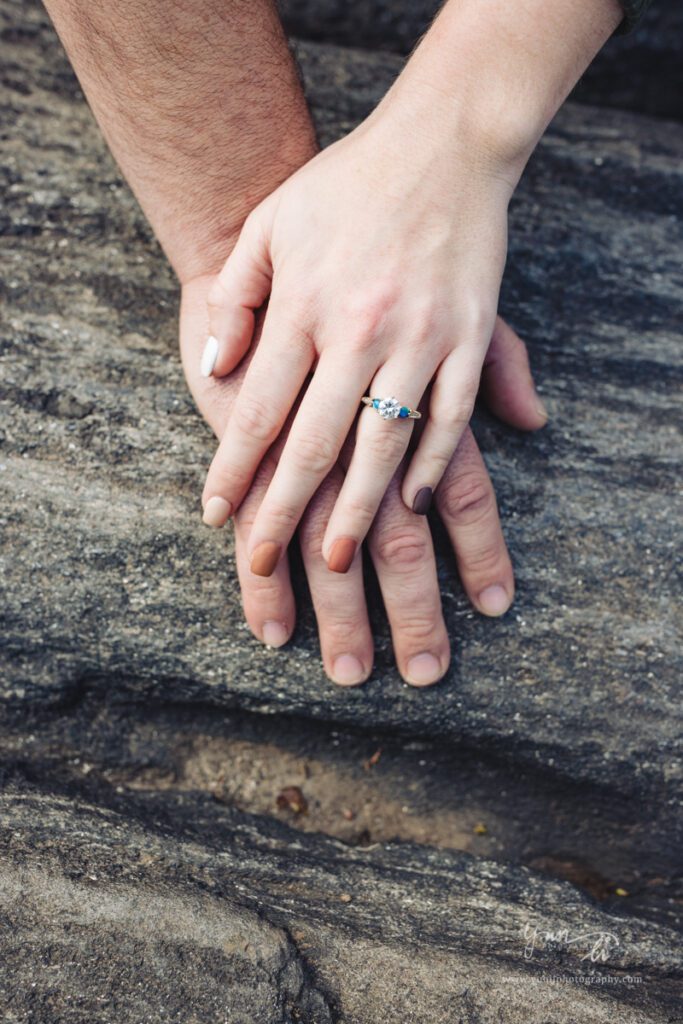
(112, 585)
(362, 787)
(641, 71)
(240, 919)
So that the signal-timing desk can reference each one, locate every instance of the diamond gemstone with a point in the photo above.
(389, 408)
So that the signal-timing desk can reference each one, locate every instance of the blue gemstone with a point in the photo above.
(375, 403)
(404, 412)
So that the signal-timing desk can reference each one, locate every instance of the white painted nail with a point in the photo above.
(216, 511)
(209, 356)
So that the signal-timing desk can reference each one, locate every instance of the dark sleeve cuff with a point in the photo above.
(633, 12)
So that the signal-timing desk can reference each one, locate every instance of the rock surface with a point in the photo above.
(236, 918)
(641, 71)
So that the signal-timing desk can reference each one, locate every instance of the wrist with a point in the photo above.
(487, 78)
(452, 135)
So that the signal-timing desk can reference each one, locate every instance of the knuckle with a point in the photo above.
(342, 631)
(435, 463)
(216, 297)
(418, 629)
(223, 479)
(387, 447)
(484, 560)
(467, 499)
(367, 311)
(302, 305)
(314, 453)
(283, 518)
(454, 415)
(358, 510)
(402, 548)
(426, 324)
(477, 318)
(255, 418)
(263, 591)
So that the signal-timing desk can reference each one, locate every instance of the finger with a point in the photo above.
(268, 604)
(270, 389)
(507, 386)
(380, 446)
(339, 601)
(450, 409)
(322, 422)
(241, 287)
(401, 547)
(467, 504)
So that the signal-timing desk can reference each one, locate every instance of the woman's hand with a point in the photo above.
(382, 258)
(383, 262)
(399, 543)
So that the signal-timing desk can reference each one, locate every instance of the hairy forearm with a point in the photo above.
(201, 106)
(492, 73)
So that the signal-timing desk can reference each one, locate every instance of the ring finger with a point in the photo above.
(380, 446)
(403, 555)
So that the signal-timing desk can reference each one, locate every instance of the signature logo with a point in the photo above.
(594, 946)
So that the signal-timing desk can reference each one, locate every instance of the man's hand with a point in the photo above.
(399, 543)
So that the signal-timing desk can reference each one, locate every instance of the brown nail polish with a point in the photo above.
(422, 501)
(341, 554)
(265, 558)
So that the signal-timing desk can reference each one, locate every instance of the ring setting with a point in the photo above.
(391, 409)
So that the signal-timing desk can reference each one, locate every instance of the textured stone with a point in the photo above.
(240, 919)
(362, 787)
(641, 71)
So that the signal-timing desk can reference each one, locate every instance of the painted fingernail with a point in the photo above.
(209, 356)
(422, 501)
(341, 554)
(423, 669)
(540, 408)
(265, 558)
(347, 670)
(274, 634)
(494, 600)
(216, 511)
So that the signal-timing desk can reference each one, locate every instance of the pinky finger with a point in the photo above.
(467, 505)
(507, 386)
(450, 408)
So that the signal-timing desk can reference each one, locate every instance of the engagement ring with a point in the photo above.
(391, 408)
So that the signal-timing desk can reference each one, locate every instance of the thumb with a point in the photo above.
(240, 289)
